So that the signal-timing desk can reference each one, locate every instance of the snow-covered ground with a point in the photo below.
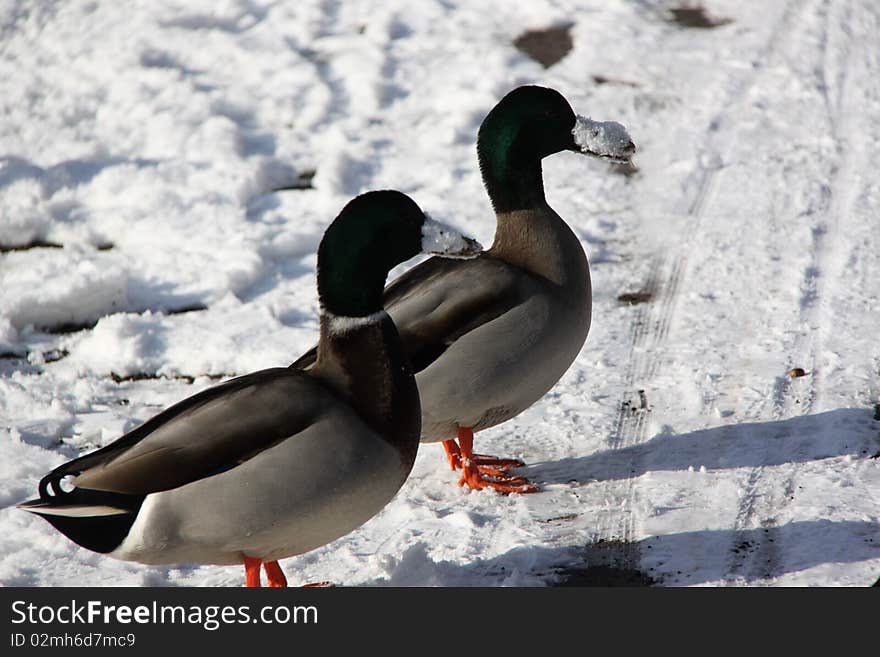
(186, 157)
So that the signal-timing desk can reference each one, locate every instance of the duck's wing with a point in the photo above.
(441, 299)
(207, 433)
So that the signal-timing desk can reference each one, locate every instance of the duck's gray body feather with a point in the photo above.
(268, 465)
(299, 494)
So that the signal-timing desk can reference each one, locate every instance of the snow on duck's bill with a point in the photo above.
(606, 139)
(444, 240)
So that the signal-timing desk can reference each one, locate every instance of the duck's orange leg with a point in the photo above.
(490, 465)
(274, 575)
(252, 572)
(453, 453)
(478, 476)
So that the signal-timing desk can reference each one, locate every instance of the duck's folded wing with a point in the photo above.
(439, 301)
(205, 434)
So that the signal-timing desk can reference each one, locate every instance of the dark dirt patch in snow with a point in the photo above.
(191, 308)
(33, 244)
(567, 516)
(607, 562)
(303, 181)
(634, 298)
(148, 376)
(604, 576)
(696, 17)
(54, 355)
(145, 376)
(51, 356)
(69, 327)
(603, 79)
(546, 46)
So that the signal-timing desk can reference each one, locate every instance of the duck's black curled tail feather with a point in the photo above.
(96, 520)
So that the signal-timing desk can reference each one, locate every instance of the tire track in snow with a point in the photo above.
(649, 329)
(756, 560)
(616, 524)
(764, 498)
(711, 163)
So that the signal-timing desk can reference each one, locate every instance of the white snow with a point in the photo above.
(161, 145)
(62, 287)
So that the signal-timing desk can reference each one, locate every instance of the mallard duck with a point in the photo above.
(277, 462)
(489, 337)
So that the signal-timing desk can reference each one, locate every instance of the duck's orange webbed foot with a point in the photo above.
(480, 471)
(486, 462)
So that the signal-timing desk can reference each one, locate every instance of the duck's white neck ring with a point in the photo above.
(338, 324)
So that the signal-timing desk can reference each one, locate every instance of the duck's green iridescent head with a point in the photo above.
(529, 124)
(374, 233)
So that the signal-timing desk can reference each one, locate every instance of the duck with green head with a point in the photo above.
(488, 337)
(280, 461)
